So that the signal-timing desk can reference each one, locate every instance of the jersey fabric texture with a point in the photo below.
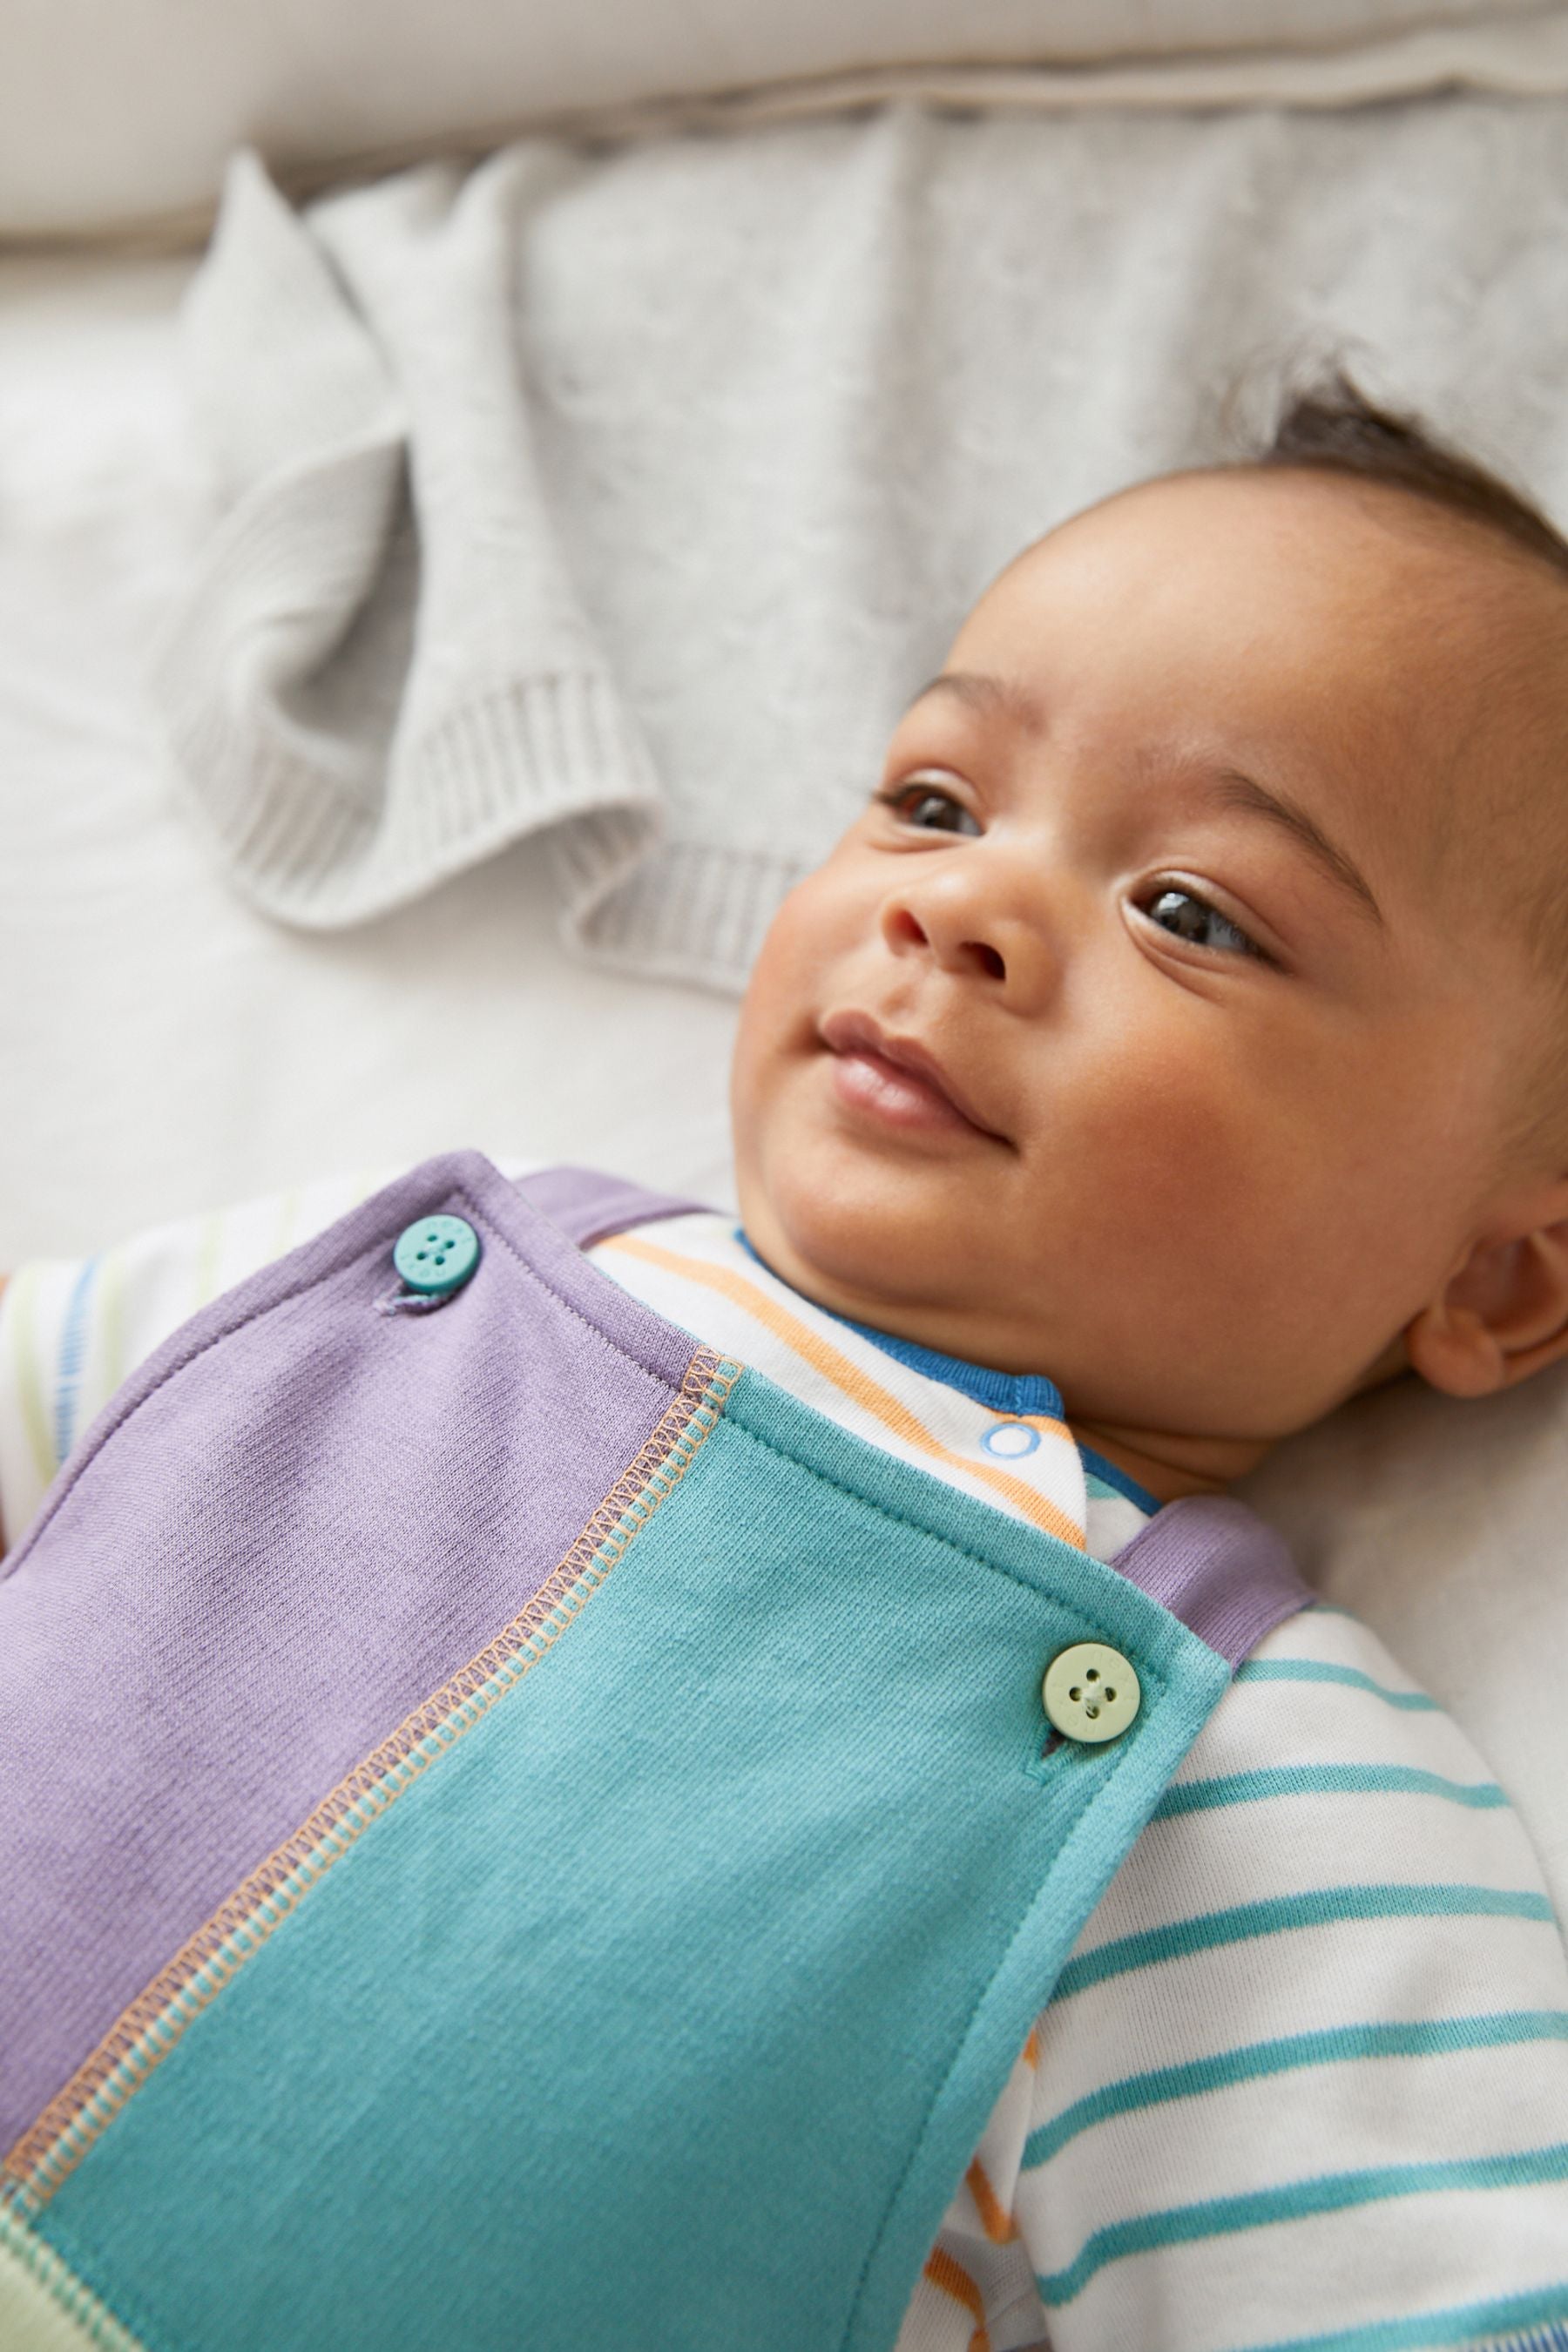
(483, 1759)
(1302, 2078)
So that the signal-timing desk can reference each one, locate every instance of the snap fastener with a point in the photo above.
(1011, 1440)
(436, 1254)
(1091, 1693)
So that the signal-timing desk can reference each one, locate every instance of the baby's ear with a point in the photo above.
(1504, 1313)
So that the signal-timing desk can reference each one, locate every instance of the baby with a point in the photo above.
(1176, 1035)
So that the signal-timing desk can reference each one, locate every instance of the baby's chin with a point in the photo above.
(926, 1256)
(885, 1245)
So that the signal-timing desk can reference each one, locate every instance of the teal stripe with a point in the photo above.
(1320, 1906)
(1322, 1780)
(1460, 2324)
(1318, 1670)
(1430, 2038)
(1297, 2200)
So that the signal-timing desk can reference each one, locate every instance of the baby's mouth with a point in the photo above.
(895, 1081)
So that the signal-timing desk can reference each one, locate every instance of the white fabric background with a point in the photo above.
(112, 111)
(162, 1049)
(715, 439)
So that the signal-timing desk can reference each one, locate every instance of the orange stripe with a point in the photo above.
(999, 2226)
(944, 2273)
(1032, 2047)
(868, 1394)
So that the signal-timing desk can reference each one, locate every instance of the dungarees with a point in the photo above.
(514, 1830)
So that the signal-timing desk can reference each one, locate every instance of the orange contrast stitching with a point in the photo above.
(708, 1380)
(870, 1394)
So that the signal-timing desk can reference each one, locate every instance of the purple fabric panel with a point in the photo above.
(587, 1204)
(1224, 1572)
(208, 1626)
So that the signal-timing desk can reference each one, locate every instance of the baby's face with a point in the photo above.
(1155, 1027)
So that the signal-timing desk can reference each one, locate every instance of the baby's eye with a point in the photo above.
(929, 808)
(1192, 918)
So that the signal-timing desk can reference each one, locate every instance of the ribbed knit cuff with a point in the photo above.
(323, 829)
(686, 910)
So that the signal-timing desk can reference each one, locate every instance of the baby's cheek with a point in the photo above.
(1180, 1181)
(1163, 1134)
(803, 937)
(774, 979)
(778, 1017)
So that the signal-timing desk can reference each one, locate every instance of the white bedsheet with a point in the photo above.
(162, 1049)
(116, 112)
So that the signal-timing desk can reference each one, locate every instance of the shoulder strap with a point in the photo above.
(587, 1204)
(1224, 1572)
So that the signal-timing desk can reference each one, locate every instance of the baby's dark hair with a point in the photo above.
(1332, 428)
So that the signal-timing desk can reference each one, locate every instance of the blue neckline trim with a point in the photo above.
(1122, 1480)
(1014, 1392)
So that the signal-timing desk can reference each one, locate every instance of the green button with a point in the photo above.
(1091, 1692)
(436, 1254)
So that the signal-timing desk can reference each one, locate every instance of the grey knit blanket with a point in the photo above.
(617, 500)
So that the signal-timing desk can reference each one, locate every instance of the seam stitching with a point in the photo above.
(66, 2289)
(1075, 1837)
(950, 1543)
(145, 2032)
(543, 1283)
(1162, 1684)
(1080, 1829)
(458, 1190)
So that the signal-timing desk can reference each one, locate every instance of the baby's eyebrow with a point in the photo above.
(986, 693)
(1230, 787)
(1235, 790)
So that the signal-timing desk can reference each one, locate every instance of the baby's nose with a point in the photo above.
(905, 928)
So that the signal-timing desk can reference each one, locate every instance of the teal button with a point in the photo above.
(436, 1254)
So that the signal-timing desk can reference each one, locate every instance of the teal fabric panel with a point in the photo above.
(666, 2009)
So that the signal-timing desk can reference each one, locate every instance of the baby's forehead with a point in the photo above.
(1423, 654)
(1331, 543)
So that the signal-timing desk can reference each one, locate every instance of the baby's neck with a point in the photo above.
(1167, 1466)
(1170, 1466)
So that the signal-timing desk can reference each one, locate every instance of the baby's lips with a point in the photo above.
(853, 1031)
